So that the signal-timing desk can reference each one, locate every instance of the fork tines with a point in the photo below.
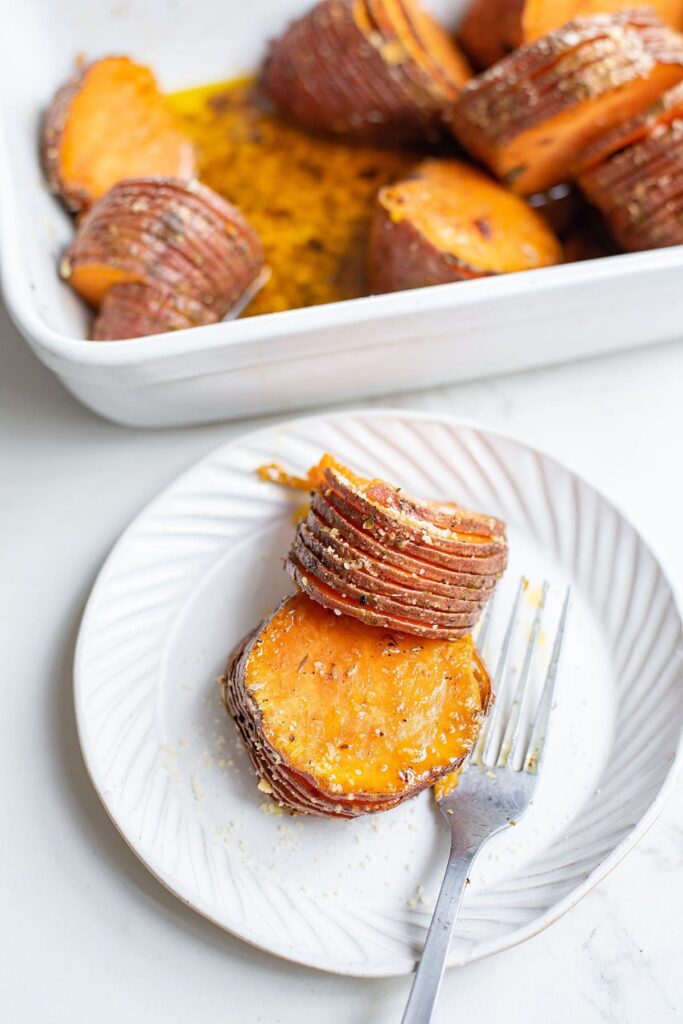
(506, 739)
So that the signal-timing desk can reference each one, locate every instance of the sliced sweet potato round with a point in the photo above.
(491, 29)
(419, 569)
(338, 69)
(530, 115)
(307, 560)
(450, 222)
(344, 604)
(399, 517)
(110, 122)
(167, 235)
(389, 539)
(383, 573)
(355, 571)
(329, 731)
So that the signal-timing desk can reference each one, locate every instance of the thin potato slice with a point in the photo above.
(110, 122)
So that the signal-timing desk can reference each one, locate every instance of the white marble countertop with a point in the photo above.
(87, 934)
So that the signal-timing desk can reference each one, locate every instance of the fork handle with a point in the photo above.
(429, 973)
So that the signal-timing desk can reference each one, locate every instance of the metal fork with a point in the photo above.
(495, 789)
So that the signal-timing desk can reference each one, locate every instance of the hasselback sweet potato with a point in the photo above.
(341, 720)
(110, 122)
(530, 115)
(171, 236)
(491, 29)
(638, 188)
(361, 68)
(450, 222)
(367, 550)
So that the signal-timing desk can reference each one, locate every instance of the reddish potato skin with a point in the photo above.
(53, 127)
(330, 598)
(326, 74)
(400, 258)
(308, 560)
(363, 573)
(135, 310)
(331, 518)
(638, 190)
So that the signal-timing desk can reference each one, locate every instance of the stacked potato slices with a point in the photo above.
(157, 254)
(633, 176)
(450, 222)
(369, 551)
(381, 70)
(530, 116)
(367, 688)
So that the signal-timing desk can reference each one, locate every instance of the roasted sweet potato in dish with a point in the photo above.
(173, 237)
(638, 188)
(110, 122)
(379, 70)
(369, 551)
(491, 29)
(531, 114)
(451, 222)
(341, 720)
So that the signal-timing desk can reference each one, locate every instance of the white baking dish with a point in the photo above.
(286, 360)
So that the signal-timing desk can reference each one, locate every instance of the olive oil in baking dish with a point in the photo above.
(310, 198)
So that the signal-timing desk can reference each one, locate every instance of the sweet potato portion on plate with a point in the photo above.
(367, 550)
(530, 115)
(450, 222)
(491, 29)
(341, 719)
(111, 122)
(178, 239)
(379, 70)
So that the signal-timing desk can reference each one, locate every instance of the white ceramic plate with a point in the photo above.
(201, 565)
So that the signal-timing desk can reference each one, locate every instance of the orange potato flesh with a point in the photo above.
(538, 17)
(358, 709)
(463, 213)
(92, 281)
(112, 123)
(491, 29)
